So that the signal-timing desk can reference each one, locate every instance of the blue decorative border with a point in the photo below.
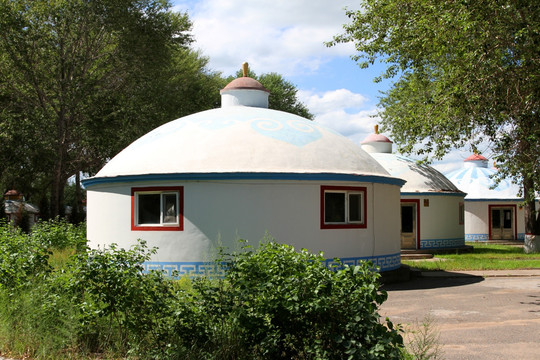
(244, 176)
(485, 237)
(383, 262)
(486, 199)
(458, 194)
(441, 243)
(476, 237)
(194, 268)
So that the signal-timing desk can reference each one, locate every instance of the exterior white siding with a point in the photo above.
(219, 213)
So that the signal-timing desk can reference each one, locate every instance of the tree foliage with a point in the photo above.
(468, 72)
(80, 80)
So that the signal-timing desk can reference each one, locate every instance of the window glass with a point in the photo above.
(507, 223)
(407, 218)
(169, 209)
(334, 211)
(149, 209)
(355, 207)
(496, 218)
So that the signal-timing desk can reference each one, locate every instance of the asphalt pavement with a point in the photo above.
(478, 315)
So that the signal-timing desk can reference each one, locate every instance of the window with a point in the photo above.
(461, 213)
(343, 207)
(157, 208)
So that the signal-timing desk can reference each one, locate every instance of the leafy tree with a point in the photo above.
(80, 80)
(468, 72)
(282, 93)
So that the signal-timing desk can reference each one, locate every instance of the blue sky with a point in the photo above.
(287, 37)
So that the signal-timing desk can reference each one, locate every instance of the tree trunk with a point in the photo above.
(532, 220)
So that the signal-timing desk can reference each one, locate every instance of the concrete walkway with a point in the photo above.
(478, 314)
(482, 273)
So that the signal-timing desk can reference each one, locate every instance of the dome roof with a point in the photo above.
(376, 138)
(419, 177)
(476, 157)
(476, 181)
(241, 139)
(244, 83)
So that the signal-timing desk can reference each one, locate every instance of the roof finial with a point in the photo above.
(245, 69)
(376, 129)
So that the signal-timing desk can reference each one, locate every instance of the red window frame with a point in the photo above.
(346, 190)
(161, 227)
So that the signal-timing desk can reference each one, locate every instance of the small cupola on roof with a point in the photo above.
(475, 160)
(244, 91)
(377, 143)
(419, 177)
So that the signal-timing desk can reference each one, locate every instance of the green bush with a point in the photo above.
(120, 308)
(22, 258)
(58, 233)
(273, 302)
(287, 304)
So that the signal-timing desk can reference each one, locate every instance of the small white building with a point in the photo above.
(431, 205)
(240, 171)
(490, 214)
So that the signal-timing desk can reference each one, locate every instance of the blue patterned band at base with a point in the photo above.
(476, 237)
(383, 262)
(198, 268)
(441, 243)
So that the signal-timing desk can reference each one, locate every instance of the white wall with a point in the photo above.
(219, 212)
(477, 219)
(439, 221)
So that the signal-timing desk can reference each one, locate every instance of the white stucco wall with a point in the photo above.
(439, 222)
(220, 212)
(477, 219)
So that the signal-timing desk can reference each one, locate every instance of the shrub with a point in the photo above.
(22, 258)
(119, 306)
(287, 304)
(60, 234)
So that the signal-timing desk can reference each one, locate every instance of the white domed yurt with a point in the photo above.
(239, 172)
(490, 214)
(431, 206)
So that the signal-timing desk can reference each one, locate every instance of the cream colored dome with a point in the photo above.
(242, 139)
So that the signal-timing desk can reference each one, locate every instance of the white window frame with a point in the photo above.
(177, 225)
(347, 191)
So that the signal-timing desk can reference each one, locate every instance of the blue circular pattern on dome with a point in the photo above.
(478, 182)
(298, 132)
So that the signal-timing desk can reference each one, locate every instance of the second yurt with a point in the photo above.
(431, 205)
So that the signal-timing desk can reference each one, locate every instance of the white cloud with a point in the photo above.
(343, 111)
(288, 37)
(272, 35)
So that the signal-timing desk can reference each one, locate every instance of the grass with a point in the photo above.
(484, 257)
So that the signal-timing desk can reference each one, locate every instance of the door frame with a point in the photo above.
(514, 208)
(417, 202)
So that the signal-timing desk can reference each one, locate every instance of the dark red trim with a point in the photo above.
(417, 202)
(502, 206)
(361, 189)
(178, 227)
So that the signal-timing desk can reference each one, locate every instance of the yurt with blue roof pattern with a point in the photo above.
(240, 172)
(491, 213)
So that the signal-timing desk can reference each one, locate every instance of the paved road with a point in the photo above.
(493, 317)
